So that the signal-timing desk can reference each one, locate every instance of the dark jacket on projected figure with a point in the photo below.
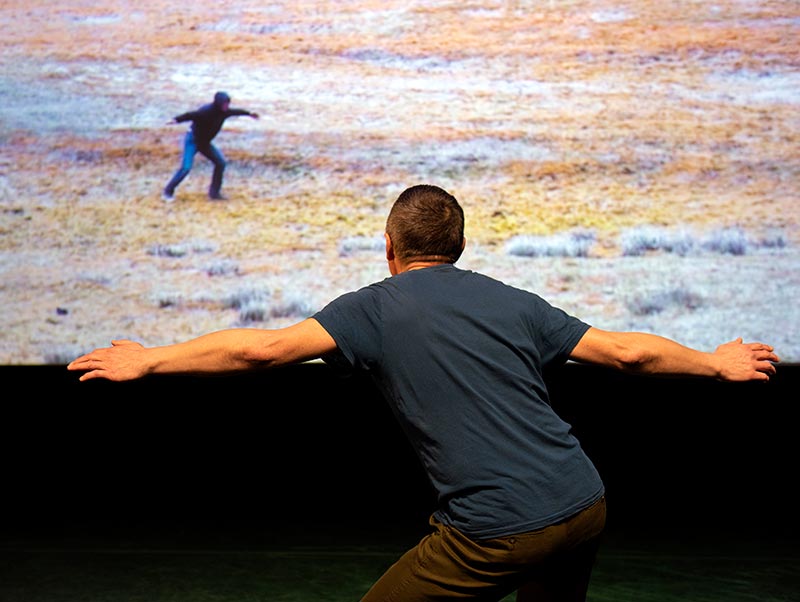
(206, 123)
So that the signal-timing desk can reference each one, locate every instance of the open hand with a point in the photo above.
(124, 360)
(746, 361)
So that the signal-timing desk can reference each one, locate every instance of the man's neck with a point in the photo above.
(418, 265)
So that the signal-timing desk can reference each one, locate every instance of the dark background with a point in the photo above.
(302, 445)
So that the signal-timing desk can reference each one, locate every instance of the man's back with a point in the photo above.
(459, 357)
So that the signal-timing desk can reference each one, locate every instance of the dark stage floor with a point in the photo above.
(331, 563)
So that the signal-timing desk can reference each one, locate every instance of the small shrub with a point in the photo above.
(246, 297)
(222, 268)
(656, 302)
(254, 310)
(168, 250)
(355, 244)
(570, 244)
(164, 300)
(732, 241)
(202, 246)
(774, 239)
(181, 249)
(292, 307)
(638, 241)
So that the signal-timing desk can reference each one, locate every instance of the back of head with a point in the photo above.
(426, 223)
(220, 98)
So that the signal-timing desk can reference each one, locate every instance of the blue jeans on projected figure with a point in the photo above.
(208, 150)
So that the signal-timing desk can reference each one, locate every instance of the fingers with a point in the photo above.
(755, 345)
(765, 359)
(78, 363)
(91, 367)
(760, 351)
(767, 369)
(760, 376)
(89, 361)
(764, 352)
(85, 362)
(90, 375)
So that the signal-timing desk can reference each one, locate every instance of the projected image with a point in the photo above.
(635, 163)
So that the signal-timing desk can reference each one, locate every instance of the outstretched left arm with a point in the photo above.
(652, 354)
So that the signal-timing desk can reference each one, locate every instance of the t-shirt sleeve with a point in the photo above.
(354, 322)
(558, 331)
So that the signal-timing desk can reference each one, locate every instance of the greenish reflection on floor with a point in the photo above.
(310, 565)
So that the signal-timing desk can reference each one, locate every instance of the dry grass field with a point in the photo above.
(590, 122)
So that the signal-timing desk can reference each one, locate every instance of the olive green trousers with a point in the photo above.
(553, 564)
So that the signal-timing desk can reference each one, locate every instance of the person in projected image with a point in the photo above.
(206, 123)
(459, 357)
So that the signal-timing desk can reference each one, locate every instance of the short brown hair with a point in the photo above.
(426, 223)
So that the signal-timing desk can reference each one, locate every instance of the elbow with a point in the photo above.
(255, 359)
(256, 353)
(634, 359)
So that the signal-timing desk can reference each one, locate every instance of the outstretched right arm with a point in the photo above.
(189, 116)
(232, 350)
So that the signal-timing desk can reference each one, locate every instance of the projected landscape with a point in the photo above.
(635, 163)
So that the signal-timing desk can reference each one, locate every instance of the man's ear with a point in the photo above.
(391, 260)
(389, 248)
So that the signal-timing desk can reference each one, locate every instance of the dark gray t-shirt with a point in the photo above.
(459, 357)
